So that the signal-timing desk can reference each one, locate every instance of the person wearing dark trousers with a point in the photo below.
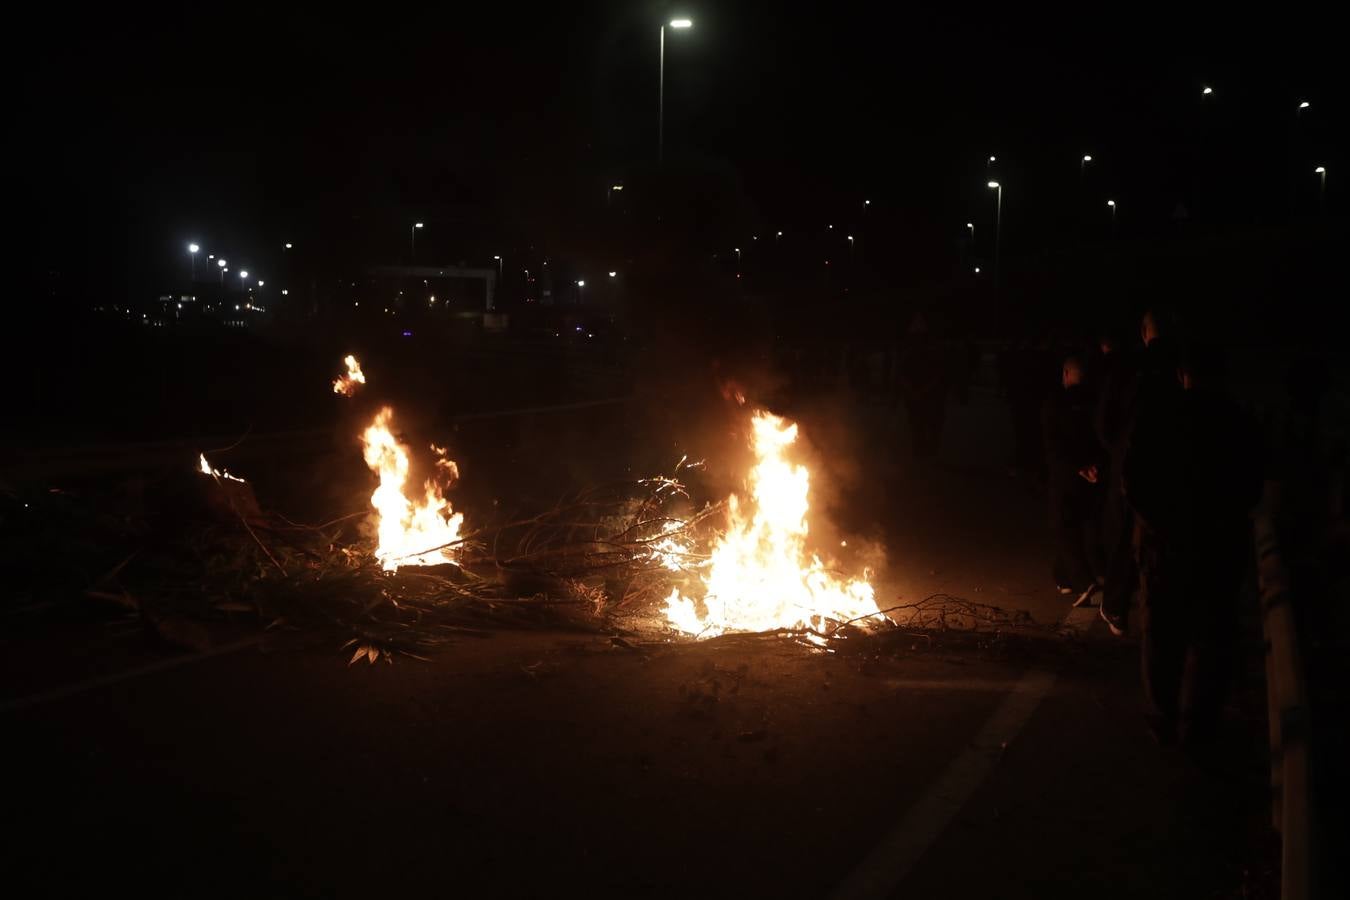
(1074, 463)
(1192, 474)
(1131, 381)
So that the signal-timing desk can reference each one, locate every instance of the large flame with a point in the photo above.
(346, 385)
(411, 532)
(760, 575)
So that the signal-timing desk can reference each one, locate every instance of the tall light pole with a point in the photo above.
(581, 283)
(970, 226)
(192, 253)
(678, 24)
(998, 226)
(609, 194)
(738, 255)
(1082, 164)
(220, 264)
(1321, 173)
(1112, 205)
(499, 267)
(850, 248)
(989, 163)
(1302, 105)
(413, 241)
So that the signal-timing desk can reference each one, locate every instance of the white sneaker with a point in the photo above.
(1112, 622)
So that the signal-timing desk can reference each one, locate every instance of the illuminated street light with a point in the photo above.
(991, 161)
(1207, 91)
(1082, 165)
(1321, 173)
(192, 254)
(413, 242)
(284, 292)
(499, 267)
(261, 282)
(679, 25)
(971, 227)
(998, 225)
(613, 274)
(289, 245)
(1112, 204)
(738, 255)
(977, 270)
(1304, 104)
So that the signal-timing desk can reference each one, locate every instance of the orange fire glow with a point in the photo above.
(412, 532)
(347, 384)
(761, 576)
(205, 468)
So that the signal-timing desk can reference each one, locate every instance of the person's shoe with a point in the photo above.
(1115, 623)
(1064, 589)
(1084, 597)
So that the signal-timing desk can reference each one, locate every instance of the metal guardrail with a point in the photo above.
(1287, 699)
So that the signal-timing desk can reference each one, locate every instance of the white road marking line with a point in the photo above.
(886, 866)
(71, 690)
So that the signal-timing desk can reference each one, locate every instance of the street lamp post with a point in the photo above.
(192, 253)
(738, 255)
(970, 226)
(661, 90)
(1082, 165)
(220, 264)
(499, 267)
(1321, 172)
(1112, 205)
(581, 283)
(413, 240)
(850, 248)
(998, 226)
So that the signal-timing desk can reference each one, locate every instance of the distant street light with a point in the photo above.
(289, 245)
(850, 247)
(1303, 104)
(998, 225)
(680, 25)
(220, 263)
(581, 283)
(192, 254)
(499, 267)
(1112, 204)
(243, 274)
(990, 161)
(613, 274)
(738, 255)
(778, 235)
(977, 270)
(1321, 173)
(413, 241)
(971, 227)
(1082, 165)
(261, 282)
(609, 194)
(1207, 91)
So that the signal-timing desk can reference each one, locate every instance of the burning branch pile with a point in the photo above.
(642, 552)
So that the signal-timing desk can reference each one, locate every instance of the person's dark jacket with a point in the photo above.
(1192, 474)
(1070, 442)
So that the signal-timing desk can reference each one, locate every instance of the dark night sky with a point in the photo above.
(239, 130)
